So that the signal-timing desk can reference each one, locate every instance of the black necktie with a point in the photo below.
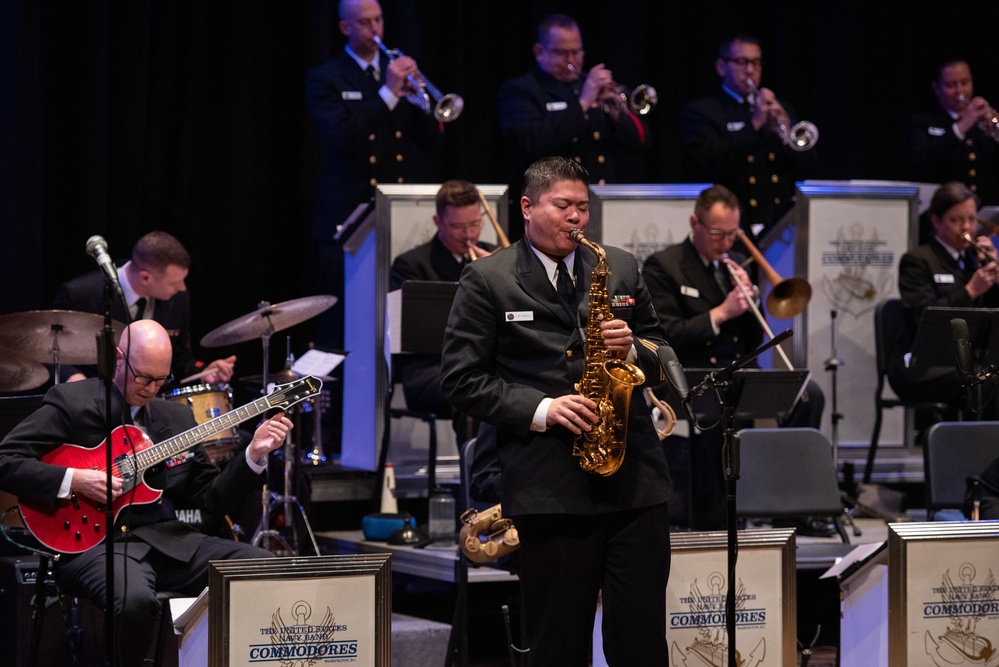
(140, 308)
(564, 286)
(968, 260)
(372, 73)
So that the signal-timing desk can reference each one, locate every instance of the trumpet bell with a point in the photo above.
(449, 107)
(803, 136)
(643, 99)
(789, 297)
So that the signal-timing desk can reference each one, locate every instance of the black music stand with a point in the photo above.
(425, 307)
(746, 394)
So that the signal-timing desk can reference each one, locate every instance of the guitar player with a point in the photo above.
(153, 550)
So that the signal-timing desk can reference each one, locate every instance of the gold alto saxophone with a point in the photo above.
(607, 382)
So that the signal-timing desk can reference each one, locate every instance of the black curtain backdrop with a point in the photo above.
(117, 118)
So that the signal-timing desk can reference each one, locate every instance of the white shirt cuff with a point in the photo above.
(540, 421)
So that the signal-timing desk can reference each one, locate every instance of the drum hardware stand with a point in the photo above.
(832, 365)
(269, 500)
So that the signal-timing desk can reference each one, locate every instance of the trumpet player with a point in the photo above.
(370, 135)
(558, 108)
(733, 137)
(956, 140)
(954, 269)
(709, 322)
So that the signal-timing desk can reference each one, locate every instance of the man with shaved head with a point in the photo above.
(153, 550)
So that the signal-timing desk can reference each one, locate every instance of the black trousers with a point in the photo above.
(566, 561)
(136, 582)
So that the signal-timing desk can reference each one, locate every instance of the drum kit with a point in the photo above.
(262, 323)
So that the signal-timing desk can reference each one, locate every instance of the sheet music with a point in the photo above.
(317, 362)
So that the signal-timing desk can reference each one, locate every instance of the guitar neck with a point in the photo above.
(188, 439)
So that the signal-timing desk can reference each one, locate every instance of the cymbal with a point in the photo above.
(267, 320)
(283, 375)
(22, 375)
(32, 335)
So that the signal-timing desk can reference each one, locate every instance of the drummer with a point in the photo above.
(153, 284)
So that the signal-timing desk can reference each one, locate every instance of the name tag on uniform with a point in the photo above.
(936, 131)
(943, 278)
(519, 316)
(736, 126)
(351, 95)
(557, 106)
(690, 291)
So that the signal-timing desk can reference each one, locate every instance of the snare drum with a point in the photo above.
(208, 401)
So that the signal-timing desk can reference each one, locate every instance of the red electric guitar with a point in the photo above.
(74, 525)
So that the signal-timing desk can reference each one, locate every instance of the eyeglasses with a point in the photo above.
(462, 226)
(565, 54)
(146, 380)
(745, 62)
(720, 234)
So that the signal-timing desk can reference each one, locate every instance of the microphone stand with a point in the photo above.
(724, 388)
(106, 359)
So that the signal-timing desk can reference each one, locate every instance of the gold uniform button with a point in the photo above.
(371, 137)
(774, 178)
(602, 182)
(771, 157)
(750, 159)
(735, 339)
(398, 134)
(568, 354)
(578, 160)
(972, 172)
(372, 159)
(776, 201)
(373, 182)
(575, 140)
(707, 343)
(596, 135)
(124, 529)
(601, 159)
(973, 188)
(753, 203)
(399, 180)
(713, 361)
(752, 180)
(972, 156)
(398, 157)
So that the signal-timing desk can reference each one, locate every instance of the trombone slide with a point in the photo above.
(756, 311)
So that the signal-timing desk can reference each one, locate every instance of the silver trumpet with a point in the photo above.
(426, 95)
(802, 136)
(990, 125)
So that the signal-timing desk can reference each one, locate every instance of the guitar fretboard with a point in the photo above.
(284, 397)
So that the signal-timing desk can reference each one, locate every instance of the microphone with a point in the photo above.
(97, 248)
(676, 377)
(963, 356)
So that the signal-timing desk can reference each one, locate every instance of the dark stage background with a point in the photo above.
(117, 118)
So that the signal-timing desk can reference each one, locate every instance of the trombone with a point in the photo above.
(501, 238)
(787, 298)
(426, 95)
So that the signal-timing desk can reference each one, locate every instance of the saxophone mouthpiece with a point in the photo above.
(575, 233)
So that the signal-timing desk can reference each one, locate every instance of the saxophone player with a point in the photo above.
(513, 355)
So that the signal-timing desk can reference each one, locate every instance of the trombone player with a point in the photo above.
(459, 224)
(709, 322)
(558, 108)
